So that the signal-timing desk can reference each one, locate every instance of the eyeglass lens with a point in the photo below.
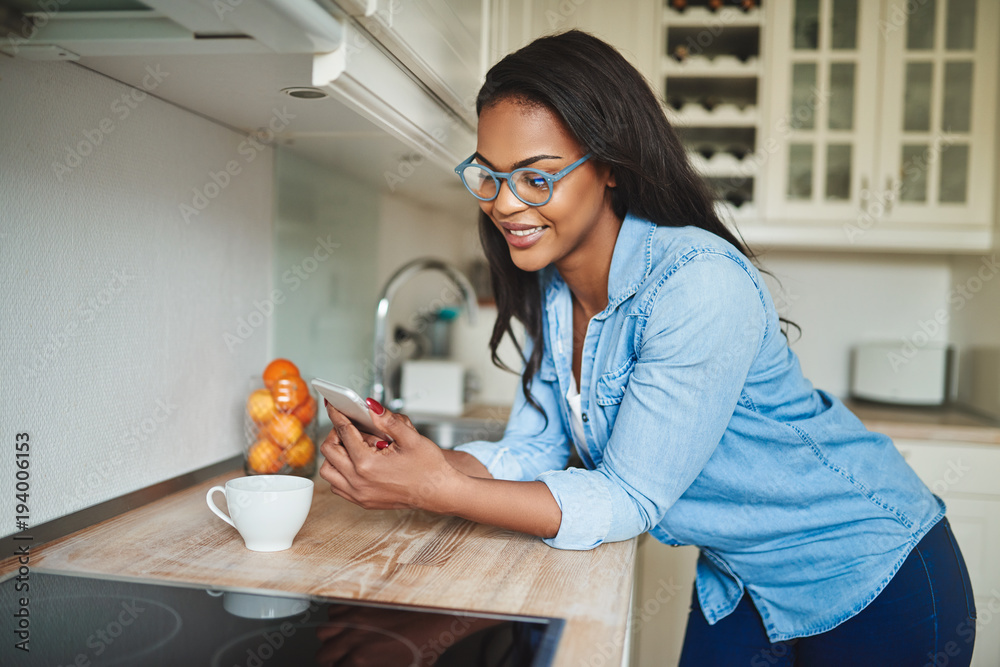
(528, 185)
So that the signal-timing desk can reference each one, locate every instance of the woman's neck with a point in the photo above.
(586, 270)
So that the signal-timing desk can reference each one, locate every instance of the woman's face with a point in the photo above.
(577, 219)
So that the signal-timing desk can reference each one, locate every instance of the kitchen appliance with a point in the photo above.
(979, 380)
(70, 620)
(901, 372)
(433, 387)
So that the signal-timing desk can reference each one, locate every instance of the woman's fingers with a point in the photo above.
(338, 483)
(354, 441)
(397, 426)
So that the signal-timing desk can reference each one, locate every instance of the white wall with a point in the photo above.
(326, 231)
(114, 356)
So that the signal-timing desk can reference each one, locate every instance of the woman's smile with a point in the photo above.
(522, 236)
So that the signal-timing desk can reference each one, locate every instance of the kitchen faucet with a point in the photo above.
(405, 272)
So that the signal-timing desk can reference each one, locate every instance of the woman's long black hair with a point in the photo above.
(611, 110)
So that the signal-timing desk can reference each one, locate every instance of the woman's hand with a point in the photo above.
(409, 473)
(414, 473)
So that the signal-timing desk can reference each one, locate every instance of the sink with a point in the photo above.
(449, 432)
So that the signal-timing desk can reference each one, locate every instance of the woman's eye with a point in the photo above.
(535, 181)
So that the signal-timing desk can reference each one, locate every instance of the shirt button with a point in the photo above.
(584, 417)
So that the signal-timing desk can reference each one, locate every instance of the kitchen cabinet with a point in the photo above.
(407, 69)
(965, 475)
(443, 42)
(632, 26)
(710, 76)
(829, 124)
(823, 76)
(881, 124)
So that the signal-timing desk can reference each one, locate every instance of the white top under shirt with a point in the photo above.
(573, 398)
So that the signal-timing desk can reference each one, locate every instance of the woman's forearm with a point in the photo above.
(526, 507)
(467, 463)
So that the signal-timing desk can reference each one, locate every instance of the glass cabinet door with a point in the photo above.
(821, 129)
(937, 150)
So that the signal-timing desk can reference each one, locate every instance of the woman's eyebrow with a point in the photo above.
(522, 163)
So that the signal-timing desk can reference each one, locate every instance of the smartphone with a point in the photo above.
(346, 400)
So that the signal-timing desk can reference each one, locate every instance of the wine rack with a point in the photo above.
(711, 70)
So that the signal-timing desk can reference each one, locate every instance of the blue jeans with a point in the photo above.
(924, 617)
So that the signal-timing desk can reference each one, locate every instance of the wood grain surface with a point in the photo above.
(394, 556)
(926, 423)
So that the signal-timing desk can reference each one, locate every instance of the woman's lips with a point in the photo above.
(523, 238)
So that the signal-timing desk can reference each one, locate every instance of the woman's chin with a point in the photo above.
(529, 260)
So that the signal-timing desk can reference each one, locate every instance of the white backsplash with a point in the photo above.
(119, 300)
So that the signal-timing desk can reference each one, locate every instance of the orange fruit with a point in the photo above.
(283, 429)
(260, 406)
(289, 393)
(277, 369)
(301, 453)
(265, 457)
(306, 411)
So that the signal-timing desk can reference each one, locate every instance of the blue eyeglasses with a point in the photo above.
(531, 186)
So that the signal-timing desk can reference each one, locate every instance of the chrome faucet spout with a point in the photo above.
(404, 274)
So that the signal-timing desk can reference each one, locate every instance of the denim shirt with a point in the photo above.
(701, 429)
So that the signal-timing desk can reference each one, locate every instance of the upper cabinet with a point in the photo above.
(710, 76)
(938, 152)
(443, 42)
(822, 88)
(833, 124)
(881, 125)
(409, 69)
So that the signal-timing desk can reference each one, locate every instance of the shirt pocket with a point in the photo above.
(611, 386)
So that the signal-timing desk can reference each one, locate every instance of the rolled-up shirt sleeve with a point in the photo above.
(704, 329)
(532, 443)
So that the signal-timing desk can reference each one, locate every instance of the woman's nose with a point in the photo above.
(506, 201)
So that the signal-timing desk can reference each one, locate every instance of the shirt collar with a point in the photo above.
(631, 262)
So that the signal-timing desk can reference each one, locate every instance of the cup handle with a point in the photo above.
(211, 504)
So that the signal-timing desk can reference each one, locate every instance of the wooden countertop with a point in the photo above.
(930, 423)
(912, 423)
(392, 556)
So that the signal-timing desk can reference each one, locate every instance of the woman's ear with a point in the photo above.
(605, 171)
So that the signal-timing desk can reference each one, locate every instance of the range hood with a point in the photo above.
(229, 60)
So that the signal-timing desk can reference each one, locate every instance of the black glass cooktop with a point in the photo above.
(82, 620)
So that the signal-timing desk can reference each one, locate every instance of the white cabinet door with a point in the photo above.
(442, 42)
(966, 477)
(939, 98)
(914, 167)
(661, 602)
(820, 134)
(631, 26)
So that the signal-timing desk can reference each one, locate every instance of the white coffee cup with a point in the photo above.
(267, 510)
(253, 605)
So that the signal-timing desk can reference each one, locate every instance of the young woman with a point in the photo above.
(654, 348)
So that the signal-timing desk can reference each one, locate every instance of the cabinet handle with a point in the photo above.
(865, 194)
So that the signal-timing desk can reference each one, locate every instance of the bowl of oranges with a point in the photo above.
(280, 423)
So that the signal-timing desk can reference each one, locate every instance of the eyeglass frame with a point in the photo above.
(499, 176)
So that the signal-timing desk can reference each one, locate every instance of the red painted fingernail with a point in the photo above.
(381, 444)
(374, 406)
(326, 402)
